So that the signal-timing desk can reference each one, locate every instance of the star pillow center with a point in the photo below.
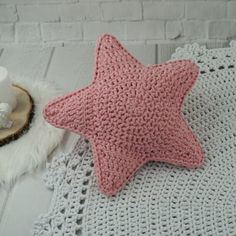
(131, 114)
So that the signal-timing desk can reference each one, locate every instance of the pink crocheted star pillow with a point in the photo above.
(131, 114)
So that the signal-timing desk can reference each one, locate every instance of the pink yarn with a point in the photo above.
(131, 114)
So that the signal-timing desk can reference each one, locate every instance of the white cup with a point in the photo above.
(7, 94)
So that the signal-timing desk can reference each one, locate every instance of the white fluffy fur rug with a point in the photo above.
(32, 149)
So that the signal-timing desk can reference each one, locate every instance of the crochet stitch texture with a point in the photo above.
(161, 199)
(131, 114)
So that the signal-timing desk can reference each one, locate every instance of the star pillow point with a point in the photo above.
(131, 114)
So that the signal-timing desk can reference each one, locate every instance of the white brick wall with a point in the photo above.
(58, 22)
(61, 31)
(27, 32)
(122, 10)
(163, 10)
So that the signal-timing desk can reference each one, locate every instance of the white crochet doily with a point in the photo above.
(160, 199)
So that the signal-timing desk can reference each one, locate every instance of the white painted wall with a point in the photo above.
(59, 22)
